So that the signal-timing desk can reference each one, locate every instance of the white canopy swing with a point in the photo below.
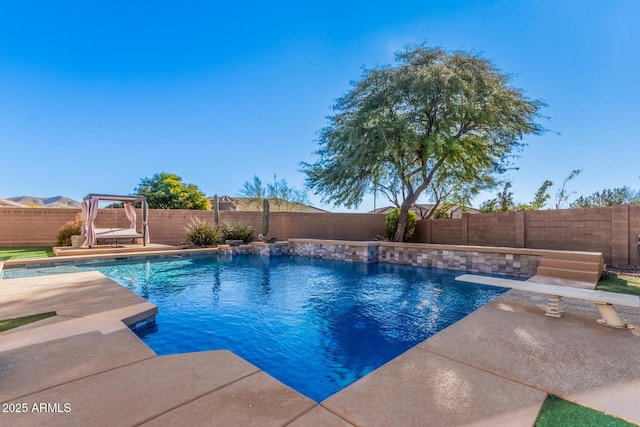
(91, 234)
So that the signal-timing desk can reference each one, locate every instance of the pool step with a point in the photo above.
(571, 255)
(581, 266)
(570, 265)
(581, 275)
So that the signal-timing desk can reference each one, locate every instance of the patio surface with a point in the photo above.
(111, 249)
(494, 367)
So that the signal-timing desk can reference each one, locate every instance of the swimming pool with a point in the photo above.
(316, 325)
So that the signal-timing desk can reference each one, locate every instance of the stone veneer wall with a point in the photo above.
(502, 261)
(335, 249)
(270, 249)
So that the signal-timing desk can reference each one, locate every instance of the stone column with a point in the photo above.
(464, 226)
(620, 235)
(521, 237)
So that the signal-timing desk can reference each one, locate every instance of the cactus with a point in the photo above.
(216, 210)
(265, 217)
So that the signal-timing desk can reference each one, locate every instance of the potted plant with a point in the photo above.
(70, 233)
(77, 241)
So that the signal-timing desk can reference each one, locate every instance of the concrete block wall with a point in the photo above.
(32, 226)
(620, 235)
(587, 230)
(633, 228)
(168, 226)
(328, 226)
(447, 231)
(613, 231)
(498, 229)
(634, 232)
(39, 227)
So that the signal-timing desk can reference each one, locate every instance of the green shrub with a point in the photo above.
(392, 224)
(238, 231)
(71, 228)
(202, 233)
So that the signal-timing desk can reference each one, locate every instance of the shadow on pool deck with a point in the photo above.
(494, 367)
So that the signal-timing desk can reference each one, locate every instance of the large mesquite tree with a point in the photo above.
(434, 114)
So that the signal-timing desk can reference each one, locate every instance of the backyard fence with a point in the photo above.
(39, 227)
(612, 230)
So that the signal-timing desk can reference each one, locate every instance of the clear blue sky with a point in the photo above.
(95, 96)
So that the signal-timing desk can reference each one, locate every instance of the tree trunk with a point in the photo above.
(402, 219)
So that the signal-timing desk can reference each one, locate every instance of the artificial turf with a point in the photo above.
(558, 412)
(15, 253)
(5, 325)
(620, 283)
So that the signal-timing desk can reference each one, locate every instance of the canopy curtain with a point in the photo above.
(85, 218)
(145, 217)
(89, 214)
(130, 211)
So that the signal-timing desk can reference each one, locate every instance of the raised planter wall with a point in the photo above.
(335, 249)
(480, 259)
(491, 260)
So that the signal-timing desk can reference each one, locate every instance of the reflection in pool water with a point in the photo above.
(316, 325)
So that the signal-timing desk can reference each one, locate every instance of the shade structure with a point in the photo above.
(90, 212)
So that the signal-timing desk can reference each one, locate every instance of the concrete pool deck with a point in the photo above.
(494, 367)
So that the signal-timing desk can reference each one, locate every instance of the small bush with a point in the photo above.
(71, 228)
(238, 231)
(392, 224)
(202, 233)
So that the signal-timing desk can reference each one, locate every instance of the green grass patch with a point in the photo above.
(621, 284)
(5, 325)
(16, 253)
(558, 412)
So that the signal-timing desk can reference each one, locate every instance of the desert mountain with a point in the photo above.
(47, 202)
(4, 203)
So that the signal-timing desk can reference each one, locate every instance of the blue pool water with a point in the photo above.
(316, 325)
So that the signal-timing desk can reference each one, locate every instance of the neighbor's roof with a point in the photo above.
(224, 199)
